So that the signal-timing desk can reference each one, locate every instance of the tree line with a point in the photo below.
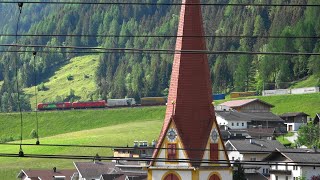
(143, 74)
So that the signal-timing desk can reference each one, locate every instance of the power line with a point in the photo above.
(153, 148)
(138, 50)
(221, 162)
(162, 4)
(161, 36)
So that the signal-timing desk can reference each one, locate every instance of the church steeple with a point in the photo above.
(190, 121)
(190, 85)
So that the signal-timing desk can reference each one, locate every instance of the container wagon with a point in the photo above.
(218, 96)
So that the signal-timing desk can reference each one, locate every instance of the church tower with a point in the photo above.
(189, 146)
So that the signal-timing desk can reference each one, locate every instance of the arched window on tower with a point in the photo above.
(172, 176)
(214, 177)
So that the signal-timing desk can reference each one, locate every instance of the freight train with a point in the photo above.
(110, 103)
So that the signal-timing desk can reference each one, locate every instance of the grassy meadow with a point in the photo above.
(114, 135)
(311, 81)
(82, 70)
(59, 122)
(308, 103)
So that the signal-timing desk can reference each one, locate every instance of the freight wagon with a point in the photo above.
(52, 106)
(307, 90)
(152, 101)
(121, 102)
(243, 94)
(276, 92)
(89, 104)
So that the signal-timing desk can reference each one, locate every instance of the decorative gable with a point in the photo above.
(215, 149)
(172, 149)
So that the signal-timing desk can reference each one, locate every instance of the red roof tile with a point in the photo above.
(239, 103)
(190, 86)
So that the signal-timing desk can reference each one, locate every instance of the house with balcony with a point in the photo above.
(252, 150)
(293, 164)
(294, 120)
(256, 112)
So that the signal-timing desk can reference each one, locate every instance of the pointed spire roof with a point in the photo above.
(190, 86)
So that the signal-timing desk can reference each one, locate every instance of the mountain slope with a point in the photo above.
(81, 73)
(140, 74)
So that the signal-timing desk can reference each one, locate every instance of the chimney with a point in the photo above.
(154, 143)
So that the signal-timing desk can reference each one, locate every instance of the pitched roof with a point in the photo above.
(233, 116)
(293, 114)
(190, 87)
(256, 145)
(90, 170)
(261, 132)
(263, 116)
(248, 116)
(255, 176)
(46, 174)
(240, 103)
(296, 155)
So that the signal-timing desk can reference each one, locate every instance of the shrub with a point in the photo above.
(33, 134)
(41, 87)
(70, 77)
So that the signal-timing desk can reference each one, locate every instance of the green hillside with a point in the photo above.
(308, 103)
(116, 127)
(120, 73)
(57, 88)
(311, 81)
(59, 122)
(114, 135)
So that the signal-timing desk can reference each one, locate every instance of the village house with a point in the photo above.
(233, 119)
(294, 120)
(257, 112)
(140, 149)
(54, 174)
(293, 164)
(109, 170)
(252, 150)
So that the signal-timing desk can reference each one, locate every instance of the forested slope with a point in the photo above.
(144, 74)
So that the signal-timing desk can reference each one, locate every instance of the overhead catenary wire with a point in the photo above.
(20, 6)
(221, 162)
(137, 50)
(154, 148)
(134, 50)
(160, 4)
(162, 36)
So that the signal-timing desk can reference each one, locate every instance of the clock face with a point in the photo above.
(214, 136)
(172, 135)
